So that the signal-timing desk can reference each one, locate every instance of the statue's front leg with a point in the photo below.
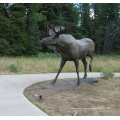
(56, 53)
(61, 66)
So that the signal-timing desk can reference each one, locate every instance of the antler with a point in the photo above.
(45, 34)
(53, 28)
(66, 29)
(61, 30)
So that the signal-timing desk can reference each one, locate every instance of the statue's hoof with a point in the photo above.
(78, 84)
(52, 83)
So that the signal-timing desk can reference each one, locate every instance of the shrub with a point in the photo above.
(13, 68)
(107, 74)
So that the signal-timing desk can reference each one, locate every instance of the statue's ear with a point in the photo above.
(51, 47)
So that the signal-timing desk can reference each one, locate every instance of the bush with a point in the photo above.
(107, 74)
(13, 68)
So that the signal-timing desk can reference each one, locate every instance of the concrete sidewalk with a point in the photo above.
(12, 100)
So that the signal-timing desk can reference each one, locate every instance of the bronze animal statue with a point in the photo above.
(70, 48)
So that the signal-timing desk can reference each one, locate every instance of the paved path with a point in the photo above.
(12, 100)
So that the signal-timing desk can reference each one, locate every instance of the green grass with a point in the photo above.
(49, 63)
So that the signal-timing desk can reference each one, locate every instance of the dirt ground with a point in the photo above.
(97, 99)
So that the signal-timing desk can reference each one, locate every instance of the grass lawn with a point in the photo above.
(51, 63)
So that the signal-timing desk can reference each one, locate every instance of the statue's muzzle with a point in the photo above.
(42, 42)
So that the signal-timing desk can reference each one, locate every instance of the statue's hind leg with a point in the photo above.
(90, 65)
(61, 66)
(85, 67)
(77, 66)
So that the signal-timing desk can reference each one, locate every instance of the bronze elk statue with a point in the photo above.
(70, 48)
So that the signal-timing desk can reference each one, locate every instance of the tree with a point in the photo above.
(19, 39)
(86, 21)
(5, 24)
(34, 16)
(13, 37)
(103, 15)
(110, 37)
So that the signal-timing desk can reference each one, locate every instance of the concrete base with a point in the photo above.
(74, 83)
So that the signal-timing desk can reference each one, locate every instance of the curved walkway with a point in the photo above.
(12, 100)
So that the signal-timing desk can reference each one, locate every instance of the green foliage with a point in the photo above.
(106, 74)
(86, 21)
(13, 32)
(19, 41)
(34, 36)
(13, 68)
(4, 47)
(104, 13)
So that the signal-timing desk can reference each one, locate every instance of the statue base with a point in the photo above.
(74, 83)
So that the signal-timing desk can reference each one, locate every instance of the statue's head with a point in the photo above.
(50, 40)
(52, 36)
